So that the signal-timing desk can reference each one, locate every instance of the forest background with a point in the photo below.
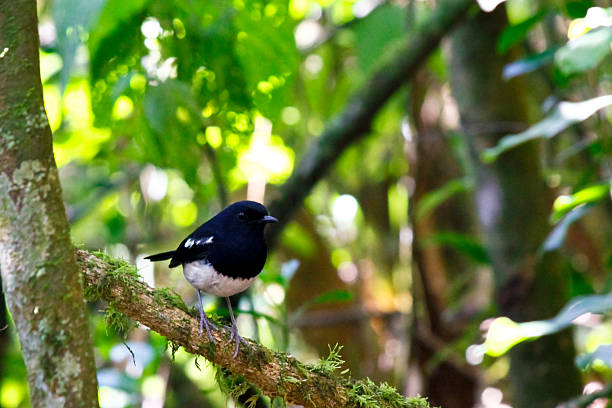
(441, 171)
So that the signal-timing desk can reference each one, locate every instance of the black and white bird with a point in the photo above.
(224, 256)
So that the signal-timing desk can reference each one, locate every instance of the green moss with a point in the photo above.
(367, 394)
(231, 384)
(169, 297)
(118, 321)
(173, 347)
(327, 366)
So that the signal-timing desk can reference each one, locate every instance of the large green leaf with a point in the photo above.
(584, 52)
(503, 333)
(564, 115)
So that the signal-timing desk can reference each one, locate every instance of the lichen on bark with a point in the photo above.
(39, 273)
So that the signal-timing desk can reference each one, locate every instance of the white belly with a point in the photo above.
(203, 276)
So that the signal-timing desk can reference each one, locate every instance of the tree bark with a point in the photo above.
(39, 273)
(513, 206)
(355, 121)
(276, 374)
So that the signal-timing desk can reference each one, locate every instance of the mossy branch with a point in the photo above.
(276, 374)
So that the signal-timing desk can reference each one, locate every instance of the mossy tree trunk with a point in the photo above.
(39, 272)
(513, 206)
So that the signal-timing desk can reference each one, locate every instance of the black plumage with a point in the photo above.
(224, 255)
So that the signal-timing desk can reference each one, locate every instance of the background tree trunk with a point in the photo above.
(39, 271)
(437, 267)
(513, 206)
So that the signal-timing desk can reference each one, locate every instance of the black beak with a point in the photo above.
(268, 219)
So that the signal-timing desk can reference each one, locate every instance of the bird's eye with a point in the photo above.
(242, 216)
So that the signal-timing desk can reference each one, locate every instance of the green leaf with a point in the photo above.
(564, 115)
(584, 52)
(463, 243)
(73, 19)
(516, 33)
(433, 199)
(504, 333)
(555, 239)
(603, 353)
(591, 194)
(265, 48)
(529, 64)
(175, 118)
(382, 27)
(115, 48)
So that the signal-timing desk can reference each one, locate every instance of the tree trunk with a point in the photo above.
(39, 272)
(436, 267)
(513, 206)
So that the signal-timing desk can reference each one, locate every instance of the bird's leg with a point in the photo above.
(203, 319)
(234, 329)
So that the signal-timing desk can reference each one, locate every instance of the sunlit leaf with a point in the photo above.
(265, 49)
(603, 353)
(504, 333)
(555, 239)
(564, 115)
(516, 33)
(584, 52)
(528, 64)
(591, 194)
(115, 47)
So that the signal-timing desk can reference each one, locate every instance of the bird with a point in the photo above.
(223, 257)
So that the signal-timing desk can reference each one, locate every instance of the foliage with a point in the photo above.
(159, 107)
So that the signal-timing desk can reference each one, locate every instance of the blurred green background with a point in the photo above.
(165, 111)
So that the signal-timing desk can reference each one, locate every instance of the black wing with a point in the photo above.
(193, 248)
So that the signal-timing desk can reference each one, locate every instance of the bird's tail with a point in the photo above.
(161, 256)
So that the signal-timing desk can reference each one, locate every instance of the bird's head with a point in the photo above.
(247, 215)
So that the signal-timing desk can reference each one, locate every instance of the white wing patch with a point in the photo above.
(191, 242)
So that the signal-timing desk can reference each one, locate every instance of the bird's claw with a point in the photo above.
(209, 327)
(238, 337)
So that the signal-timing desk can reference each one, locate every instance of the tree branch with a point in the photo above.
(355, 121)
(276, 374)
